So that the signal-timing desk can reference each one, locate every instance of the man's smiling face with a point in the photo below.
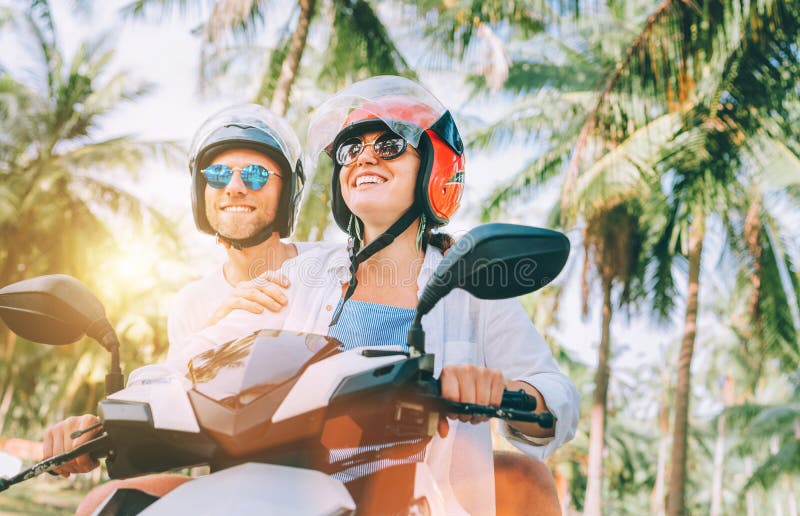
(235, 211)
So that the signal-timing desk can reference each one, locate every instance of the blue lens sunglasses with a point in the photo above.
(254, 176)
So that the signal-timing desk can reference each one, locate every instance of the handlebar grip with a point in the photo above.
(519, 400)
(515, 406)
(98, 454)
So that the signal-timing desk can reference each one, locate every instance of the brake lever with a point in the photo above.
(78, 433)
(97, 448)
(520, 400)
(543, 419)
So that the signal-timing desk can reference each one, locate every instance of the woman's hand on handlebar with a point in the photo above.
(466, 383)
(57, 440)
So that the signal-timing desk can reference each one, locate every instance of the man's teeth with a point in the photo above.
(369, 179)
(238, 209)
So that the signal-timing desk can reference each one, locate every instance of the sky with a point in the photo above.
(165, 53)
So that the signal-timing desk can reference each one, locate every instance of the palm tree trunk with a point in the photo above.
(8, 395)
(719, 460)
(562, 488)
(749, 498)
(719, 450)
(676, 501)
(10, 373)
(593, 505)
(283, 87)
(657, 496)
(777, 498)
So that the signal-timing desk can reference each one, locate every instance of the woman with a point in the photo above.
(398, 172)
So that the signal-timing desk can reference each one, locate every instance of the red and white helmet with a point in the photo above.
(412, 112)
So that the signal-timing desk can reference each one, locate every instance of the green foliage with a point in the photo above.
(453, 26)
(269, 80)
(62, 210)
(360, 46)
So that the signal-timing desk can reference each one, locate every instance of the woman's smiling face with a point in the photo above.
(379, 191)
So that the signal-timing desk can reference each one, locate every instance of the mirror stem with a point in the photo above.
(102, 331)
(114, 379)
(416, 337)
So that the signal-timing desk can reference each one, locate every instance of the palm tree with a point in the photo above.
(612, 242)
(612, 236)
(709, 76)
(693, 74)
(60, 205)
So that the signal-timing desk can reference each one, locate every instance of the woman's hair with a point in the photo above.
(441, 241)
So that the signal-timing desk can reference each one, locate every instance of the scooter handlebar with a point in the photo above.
(543, 419)
(96, 448)
(515, 406)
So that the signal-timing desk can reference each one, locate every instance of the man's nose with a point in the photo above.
(236, 186)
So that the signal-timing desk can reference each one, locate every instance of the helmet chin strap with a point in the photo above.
(243, 243)
(383, 241)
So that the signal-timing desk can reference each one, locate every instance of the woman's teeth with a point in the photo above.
(237, 209)
(369, 179)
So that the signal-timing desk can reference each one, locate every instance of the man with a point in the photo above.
(248, 212)
(247, 179)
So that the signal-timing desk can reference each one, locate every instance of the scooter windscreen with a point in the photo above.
(291, 398)
(236, 373)
(238, 386)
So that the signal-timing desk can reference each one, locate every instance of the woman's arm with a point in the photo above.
(511, 344)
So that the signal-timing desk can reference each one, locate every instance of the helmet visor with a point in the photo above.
(247, 116)
(404, 106)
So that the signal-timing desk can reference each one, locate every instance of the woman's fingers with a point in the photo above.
(443, 427)
(467, 383)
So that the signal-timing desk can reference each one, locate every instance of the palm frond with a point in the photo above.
(140, 9)
(536, 172)
(45, 38)
(238, 18)
(627, 170)
(133, 207)
(711, 64)
(269, 79)
(360, 45)
(454, 27)
(122, 152)
(547, 113)
(785, 462)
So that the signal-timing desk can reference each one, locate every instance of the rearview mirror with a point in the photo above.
(55, 309)
(58, 309)
(498, 261)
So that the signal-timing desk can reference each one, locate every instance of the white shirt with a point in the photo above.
(460, 329)
(195, 304)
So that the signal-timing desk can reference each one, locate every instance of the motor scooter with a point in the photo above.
(289, 422)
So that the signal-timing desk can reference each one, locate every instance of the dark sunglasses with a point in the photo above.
(386, 146)
(254, 176)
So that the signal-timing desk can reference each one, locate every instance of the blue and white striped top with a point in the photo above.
(370, 324)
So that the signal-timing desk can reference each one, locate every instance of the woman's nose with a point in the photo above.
(367, 155)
